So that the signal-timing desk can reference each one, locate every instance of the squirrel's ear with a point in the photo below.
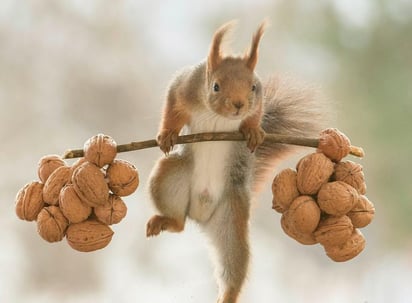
(252, 56)
(215, 53)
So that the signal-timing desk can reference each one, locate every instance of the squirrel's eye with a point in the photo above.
(216, 87)
(253, 87)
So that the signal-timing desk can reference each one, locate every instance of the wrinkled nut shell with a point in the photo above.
(89, 235)
(334, 144)
(75, 165)
(305, 239)
(112, 212)
(54, 184)
(363, 212)
(349, 249)
(284, 190)
(304, 214)
(314, 170)
(29, 201)
(123, 177)
(73, 208)
(51, 224)
(100, 150)
(47, 165)
(337, 198)
(333, 231)
(352, 174)
(90, 184)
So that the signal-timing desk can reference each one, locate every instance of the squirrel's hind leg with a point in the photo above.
(169, 190)
(231, 244)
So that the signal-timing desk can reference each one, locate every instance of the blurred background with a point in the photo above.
(72, 69)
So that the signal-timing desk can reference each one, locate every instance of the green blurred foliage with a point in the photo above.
(372, 85)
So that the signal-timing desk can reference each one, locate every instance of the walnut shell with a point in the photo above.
(362, 213)
(337, 198)
(112, 212)
(349, 249)
(304, 214)
(90, 184)
(284, 190)
(334, 230)
(89, 235)
(51, 224)
(29, 201)
(75, 165)
(352, 174)
(334, 144)
(47, 165)
(100, 150)
(313, 170)
(73, 208)
(54, 184)
(123, 177)
(288, 228)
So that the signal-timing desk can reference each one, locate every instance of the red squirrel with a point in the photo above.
(213, 183)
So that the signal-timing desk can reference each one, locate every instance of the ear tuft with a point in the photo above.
(215, 53)
(252, 56)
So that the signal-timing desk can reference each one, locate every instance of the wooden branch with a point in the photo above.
(219, 136)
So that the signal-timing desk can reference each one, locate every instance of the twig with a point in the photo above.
(220, 136)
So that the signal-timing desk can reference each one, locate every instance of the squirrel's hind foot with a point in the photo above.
(230, 296)
(158, 224)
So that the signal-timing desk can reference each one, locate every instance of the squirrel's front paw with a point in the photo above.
(167, 139)
(254, 136)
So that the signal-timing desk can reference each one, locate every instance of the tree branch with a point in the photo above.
(219, 136)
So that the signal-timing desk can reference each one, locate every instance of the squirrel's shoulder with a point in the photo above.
(189, 76)
(189, 81)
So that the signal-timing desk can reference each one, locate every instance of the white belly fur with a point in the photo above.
(210, 164)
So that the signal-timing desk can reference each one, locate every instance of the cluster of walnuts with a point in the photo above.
(323, 200)
(80, 201)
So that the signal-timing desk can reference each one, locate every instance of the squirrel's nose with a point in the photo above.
(238, 104)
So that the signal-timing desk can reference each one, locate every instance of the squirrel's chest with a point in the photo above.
(211, 163)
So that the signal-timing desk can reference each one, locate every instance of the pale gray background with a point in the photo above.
(72, 69)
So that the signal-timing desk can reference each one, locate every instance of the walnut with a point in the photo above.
(333, 230)
(349, 249)
(89, 235)
(363, 212)
(334, 144)
(284, 189)
(313, 170)
(337, 198)
(29, 201)
(112, 212)
(352, 174)
(54, 184)
(47, 165)
(90, 184)
(100, 150)
(303, 214)
(75, 165)
(123, 177)
(51, 224)
(288, 228)
(73, 208)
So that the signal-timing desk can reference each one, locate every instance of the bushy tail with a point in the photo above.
(290, 108)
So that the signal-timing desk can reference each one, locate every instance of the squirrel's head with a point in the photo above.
(233, 88)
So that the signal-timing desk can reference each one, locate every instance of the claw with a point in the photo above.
(166, 140)
(254, 137)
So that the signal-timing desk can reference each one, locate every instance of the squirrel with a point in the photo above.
(213, 183)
